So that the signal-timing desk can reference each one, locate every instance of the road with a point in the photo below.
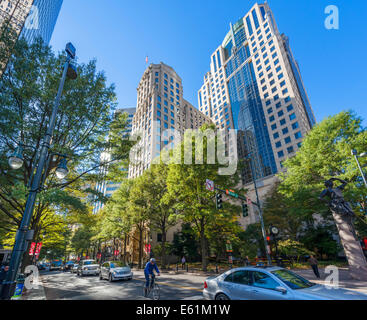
(58, 285)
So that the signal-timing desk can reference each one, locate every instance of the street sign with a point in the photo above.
(230, 259)
(229, 247)
(231, 193)
(209, 185)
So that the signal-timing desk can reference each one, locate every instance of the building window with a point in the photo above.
(278, 144)
(282, 122)
(285, 131)
(295, 125)
(276, 135)
(287, 140)
(280, 154)
(274, 126)
(290, 149)
(292, 116)
(298, 135)
(290, 108)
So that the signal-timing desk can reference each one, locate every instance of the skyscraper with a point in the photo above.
(254, 86)
(161, 107)
(42, 20)
(31, 18)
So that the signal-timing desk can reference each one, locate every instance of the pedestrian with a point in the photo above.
(314, 264)
(183, 261)
(247, 261)
(3, 272)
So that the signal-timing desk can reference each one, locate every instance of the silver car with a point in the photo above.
(115, 270)
(74, 268)
(271, 283)
(88, 267)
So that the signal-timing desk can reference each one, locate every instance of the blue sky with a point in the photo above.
(183, 34)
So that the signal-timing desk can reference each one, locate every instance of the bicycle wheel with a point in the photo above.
(145, 294)
(156, 292)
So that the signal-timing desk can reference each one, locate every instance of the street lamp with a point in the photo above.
(16, 161)
(356, 156)
(62, 170)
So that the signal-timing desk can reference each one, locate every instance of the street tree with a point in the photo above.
(28, 88)
(186, 185)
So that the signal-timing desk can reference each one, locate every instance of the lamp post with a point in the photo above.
(16, 161)
(260, 211)
(356, 156)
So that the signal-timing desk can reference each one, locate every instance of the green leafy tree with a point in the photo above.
(186, 184)
(28, 88)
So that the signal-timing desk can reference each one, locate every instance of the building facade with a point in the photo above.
(161, 110)
(254, 86)
(31, 18)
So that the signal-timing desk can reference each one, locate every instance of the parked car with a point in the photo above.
(56, 265)
(271, 283)
(68, 266)
(41, 266)
(74, 268)
(115, 270)
(88, 267)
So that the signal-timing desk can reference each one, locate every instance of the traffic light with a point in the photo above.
(244, 209)
(219, 201)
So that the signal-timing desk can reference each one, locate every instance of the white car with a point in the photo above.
(115, 270)
(88, 267)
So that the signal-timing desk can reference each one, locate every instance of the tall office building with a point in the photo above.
(160, 107)
(31, 18)
(254, 86)
(107, 188)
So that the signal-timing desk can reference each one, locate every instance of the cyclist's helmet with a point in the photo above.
(152, 260)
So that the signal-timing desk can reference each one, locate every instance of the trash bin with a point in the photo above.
(19, 287)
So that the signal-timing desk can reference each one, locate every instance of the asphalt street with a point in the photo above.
(58, 285)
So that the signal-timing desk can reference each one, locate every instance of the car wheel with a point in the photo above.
(110, 278)
(221, 296)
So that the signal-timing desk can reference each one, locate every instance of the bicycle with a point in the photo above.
(154, 288)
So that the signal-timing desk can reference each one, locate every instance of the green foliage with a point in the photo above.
(185, 244)
(291, 248)
(28, 89)
(186, 185)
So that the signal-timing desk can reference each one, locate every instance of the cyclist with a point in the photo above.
(149, 267)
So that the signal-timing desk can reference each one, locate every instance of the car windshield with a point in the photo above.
(117, 264)
(86, 263)
(292, 280)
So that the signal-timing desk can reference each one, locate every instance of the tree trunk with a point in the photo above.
(204, 258)
(163, 253)
(125, 248)
(352, 248)
(140, 248)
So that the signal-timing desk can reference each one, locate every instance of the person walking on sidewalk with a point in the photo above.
(314, 264)
(183, 261)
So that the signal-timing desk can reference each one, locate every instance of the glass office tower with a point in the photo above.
(254, 86)
(31, 19)
(42, 20)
